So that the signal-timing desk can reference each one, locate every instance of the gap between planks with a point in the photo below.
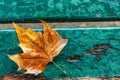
(63, 24)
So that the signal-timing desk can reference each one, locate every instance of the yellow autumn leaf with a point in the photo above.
(38, 49)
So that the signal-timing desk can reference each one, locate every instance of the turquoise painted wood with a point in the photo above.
(59, 10)
(96, 51)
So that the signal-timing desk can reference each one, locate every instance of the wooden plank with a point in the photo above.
(18, 76)
(59, 10)
(90, 52)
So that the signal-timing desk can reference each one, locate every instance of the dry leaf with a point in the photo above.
(38, 49)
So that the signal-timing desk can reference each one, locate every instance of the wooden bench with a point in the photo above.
(95, 46)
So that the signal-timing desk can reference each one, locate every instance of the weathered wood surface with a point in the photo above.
(59, 10)
(18, 76)
(90, 52)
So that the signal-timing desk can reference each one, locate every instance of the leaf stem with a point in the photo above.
(59, 68)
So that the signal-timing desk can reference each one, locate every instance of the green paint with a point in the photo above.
(80, 40)
(52, 10)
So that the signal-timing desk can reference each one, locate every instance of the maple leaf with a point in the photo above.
(38, 49)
